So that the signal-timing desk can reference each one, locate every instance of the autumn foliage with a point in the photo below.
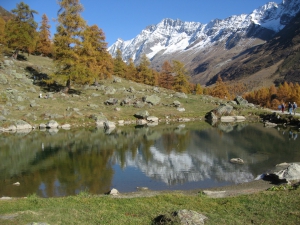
(44, 45)
(80, 54)
(271, 97)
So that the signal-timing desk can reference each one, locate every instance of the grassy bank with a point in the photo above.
(268, 207)
(19, 98)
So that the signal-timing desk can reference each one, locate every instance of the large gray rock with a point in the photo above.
(109, 125)
(184, 217)
(3, 79)
(138, 104)
(142, 114)
(190, 217)
(180, 95)
(117, 80)
(176, 103)
(52, 124)
(110, 91)
(42, 126)
(8, 62)
(211, 116)
(232, 118)
(141, 122)
(21, 125)
(223, 109)
(152, 99)
(100, 119)
(152, 119)
(126, 101)
(111, 101)
(240, 100)
(291, 173)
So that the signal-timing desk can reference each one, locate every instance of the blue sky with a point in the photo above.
(127, 18)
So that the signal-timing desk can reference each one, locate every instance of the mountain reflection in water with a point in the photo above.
(193, 156)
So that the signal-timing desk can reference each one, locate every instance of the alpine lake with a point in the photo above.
(176, 156)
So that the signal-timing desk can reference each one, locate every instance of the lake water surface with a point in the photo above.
(165, 157)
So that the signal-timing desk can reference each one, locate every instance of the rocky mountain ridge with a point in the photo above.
(207, 48)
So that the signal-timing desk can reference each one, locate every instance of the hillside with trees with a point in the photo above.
(79, 51)
(80, 55)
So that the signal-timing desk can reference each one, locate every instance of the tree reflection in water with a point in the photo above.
(64, 163)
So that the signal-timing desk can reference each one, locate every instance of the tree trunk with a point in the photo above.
(68, 86)
(96, 83)
(15, 54)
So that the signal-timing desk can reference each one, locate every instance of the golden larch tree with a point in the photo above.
(220, 89)
(198, 89)
(181, 79)
(131, 70)
(43, 45)
(119, 65)
(145, 74)
(20, 32)
(166, 79)
(67, 43)
(94, 55)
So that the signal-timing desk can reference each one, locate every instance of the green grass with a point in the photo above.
(268, 207)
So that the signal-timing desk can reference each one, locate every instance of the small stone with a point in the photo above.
(237, 160)
(66, 126)
(142, 188)
(16, 184)
(5, 198)
(114, 192)
(181, 109)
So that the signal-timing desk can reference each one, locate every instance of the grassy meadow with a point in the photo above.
(267, 207)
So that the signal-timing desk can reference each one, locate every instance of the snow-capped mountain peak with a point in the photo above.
(170, 37)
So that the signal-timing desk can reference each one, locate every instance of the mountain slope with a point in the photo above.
(283, 50)
(207, 48)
